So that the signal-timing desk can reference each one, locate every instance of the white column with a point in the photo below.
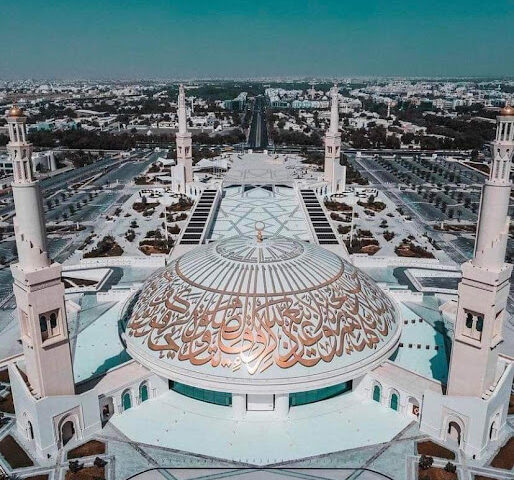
(282, 405)
(239, 405)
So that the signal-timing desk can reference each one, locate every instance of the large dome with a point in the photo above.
(241, 315)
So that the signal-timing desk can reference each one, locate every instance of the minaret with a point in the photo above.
(38, 287)
(184, 141)
(485, 283)
(332, 140)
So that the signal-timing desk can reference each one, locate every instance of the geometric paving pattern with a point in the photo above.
(277, 207)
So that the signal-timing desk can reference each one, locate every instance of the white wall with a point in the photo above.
(474, 415)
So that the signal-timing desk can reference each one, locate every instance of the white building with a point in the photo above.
(259, 323)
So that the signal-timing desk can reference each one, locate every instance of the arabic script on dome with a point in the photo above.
(238, 305)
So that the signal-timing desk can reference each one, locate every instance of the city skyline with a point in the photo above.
(241, 40)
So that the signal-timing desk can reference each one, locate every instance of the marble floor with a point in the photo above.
(341, 423)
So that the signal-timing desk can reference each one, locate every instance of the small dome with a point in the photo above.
(507, 111)
(245, 314)
(15, 111)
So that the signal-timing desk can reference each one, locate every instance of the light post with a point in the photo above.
(166, 201)
(352, 201)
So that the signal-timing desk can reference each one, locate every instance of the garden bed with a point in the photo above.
(14, 455)
(338, 206)
(87, 473)
(408, 249)
(107, 247)
(432, 449)
(505, 457)
(374, 206)
(182, 205)
(88, 449)
(7, 404)
(435, 473)
(141, 207)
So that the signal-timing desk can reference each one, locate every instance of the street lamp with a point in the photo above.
(166, 201)
(352, 201)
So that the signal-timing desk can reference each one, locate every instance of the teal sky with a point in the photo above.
(242, 38)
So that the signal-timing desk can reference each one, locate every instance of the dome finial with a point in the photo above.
(259, 226)
(15, 111)
(507, 110)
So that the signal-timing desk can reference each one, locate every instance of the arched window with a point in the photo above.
(53, 320)
(143, 392)
(376, 393)
(394, 401)
(126, 401)
(454, 432)
(492, 431)
(30, 430)
(67, 431)
(469, 320)
(43, 326)
(480, 324)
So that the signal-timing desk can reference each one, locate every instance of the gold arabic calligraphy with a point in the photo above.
(181, 321)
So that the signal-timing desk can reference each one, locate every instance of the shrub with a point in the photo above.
(75, 466)
(425, 462)
(174, 229)
(450, 467)
(388, 235)
(99, 462)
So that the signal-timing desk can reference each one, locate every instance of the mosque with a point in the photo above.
(259, 323)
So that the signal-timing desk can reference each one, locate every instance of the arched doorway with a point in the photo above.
(143, 392)
(393, 402)
(377, 393)
(67, 431)
(454, 432)
(126, 400)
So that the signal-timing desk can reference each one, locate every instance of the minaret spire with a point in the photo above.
(484, 289)
(184, 141)
(29, 224)
(493, 224)
(182, 121)
(333, 169)
(38, 287)
(334, 110)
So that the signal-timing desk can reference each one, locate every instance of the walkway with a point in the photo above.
(344, 422)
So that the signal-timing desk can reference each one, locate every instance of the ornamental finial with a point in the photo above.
(259, 226)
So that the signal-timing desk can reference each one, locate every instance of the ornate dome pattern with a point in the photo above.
(253, 307)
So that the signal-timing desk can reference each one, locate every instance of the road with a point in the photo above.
(258, 136)
(112, 170)
(86, 210)
(457, 254)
